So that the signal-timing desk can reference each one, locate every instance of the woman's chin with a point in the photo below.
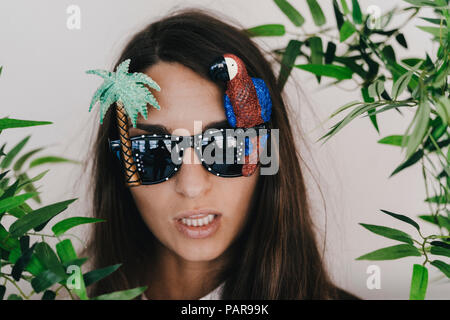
(198, 251)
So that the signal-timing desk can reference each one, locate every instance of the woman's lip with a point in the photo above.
(199, 232)
(198, 213)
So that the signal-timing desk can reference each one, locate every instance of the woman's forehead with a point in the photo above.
(185, 98)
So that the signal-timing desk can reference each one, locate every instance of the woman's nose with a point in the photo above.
(192, 180)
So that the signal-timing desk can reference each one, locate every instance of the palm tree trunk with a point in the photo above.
(131, 174)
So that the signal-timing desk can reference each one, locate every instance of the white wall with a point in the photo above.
(43, 79)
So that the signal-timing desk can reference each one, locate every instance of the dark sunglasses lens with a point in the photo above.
(153, 159)
(224, 144)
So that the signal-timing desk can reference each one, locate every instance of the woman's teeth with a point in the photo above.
(196, 222)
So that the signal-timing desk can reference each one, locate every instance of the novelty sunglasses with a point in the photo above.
(159, 156)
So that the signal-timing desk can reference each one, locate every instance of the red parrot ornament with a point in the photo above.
(247, 103)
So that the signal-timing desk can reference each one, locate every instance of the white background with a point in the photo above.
(44, 79)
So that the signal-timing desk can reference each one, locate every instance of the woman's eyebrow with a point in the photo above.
(153, 128)
(223, 124)
(160, 129)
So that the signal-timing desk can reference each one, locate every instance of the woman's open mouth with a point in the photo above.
(198, 226)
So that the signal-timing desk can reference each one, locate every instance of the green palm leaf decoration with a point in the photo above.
(131, 95)
(124, 88)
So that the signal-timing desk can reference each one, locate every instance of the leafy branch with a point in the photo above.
(25, 254)
(419, 85)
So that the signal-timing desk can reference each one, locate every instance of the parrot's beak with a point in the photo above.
(218, 70)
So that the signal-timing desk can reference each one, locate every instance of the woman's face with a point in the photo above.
(186, 97)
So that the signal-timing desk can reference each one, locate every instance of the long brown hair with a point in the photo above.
(276, 256)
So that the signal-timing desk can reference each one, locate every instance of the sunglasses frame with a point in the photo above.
(195, 142)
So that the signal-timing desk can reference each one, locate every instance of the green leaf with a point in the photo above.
(330, 52)
(316, 12)
(345, 8)
(356, 14)
(402, 218)
(77, 262)
(24, 243)
(346, 31)
(438, 220)
(440, 251)
(327, 70)
(15, 201)
(412, 61)
(394, 140)
(96, 275)
(19, 163)
(434, 21)
(289, 56)
(442, 266)
(35, 267)
(338, 15)
(14, 296)
(11, 190)
(419, 282)
(397, 70)
(6, 241)
(44, 280)
(13, 152)
(267, 30)
(49, 259)
(2, 175)
(365, 94)
(315, 43)
(349, 117)
(38, 217)
(438, 199)
(66, 251)
(48, 295)
(316, 46)
(28, 181)
(2, 149)
(421, 120)
(22, 263)
(443, 109)
(49, 159)
(290, 12)
(421, 3)
(391, 253)
(401, 40)
(344, 107)
(440, 78)
(6, 123)
(416, 156)
(81, 291)
(389, 54)
(2, 291)
(78, 287)
(122, 295)
(389, 233)
(435, 31)
(400, 84)
(66, 224)
(376, 89)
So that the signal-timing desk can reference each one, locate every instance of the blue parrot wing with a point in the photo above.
(249, 144)
(264, 98)
(231, 117)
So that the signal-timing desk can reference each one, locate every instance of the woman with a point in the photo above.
(263, 244)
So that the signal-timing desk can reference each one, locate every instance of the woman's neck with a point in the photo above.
(173, 278)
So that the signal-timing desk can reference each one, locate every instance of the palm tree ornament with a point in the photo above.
(131, 95)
